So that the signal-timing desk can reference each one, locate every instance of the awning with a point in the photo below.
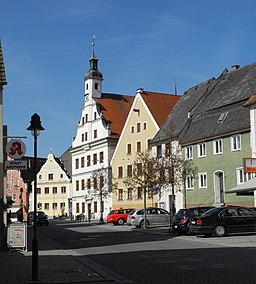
(248, 186)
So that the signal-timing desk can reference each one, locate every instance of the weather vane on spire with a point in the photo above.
(93, 42)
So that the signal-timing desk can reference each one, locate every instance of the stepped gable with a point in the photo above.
(115, 109)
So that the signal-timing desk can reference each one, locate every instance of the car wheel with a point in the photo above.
(120, 222)
(219, 231)
(115, 224)
(142, 224)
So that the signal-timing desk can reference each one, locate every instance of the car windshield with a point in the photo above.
(181, 213)
(111, 212)
(132, 212)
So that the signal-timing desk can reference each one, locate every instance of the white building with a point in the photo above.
(53, 189)
(98, 130)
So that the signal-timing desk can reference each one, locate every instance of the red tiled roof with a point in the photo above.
(159, 104)
(115, 110)
(2, 70)
(252, 100)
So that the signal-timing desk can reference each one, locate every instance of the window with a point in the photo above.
(95, 205)
(144, 125)
(243, 177)
(50, 176)
(201, 150)
(77, 208)
(189, 183)
(139, 193)
(132, 129)
(120, 172)
(217, 146)
(83, 137)
(83, 207)
(120, 194)
(236, 142)
(101, 181)
(167, 149)
(129, 193)
(222, 117)
(88, 161)
(139, 169)
(138, 127)
(159, 151)
(82, 162)
(95, 182)
(54, 190)
(129, 170)
(101, 157)
(86, 117)
(189, 153)
(149, 146)
(202, 180)
(38, 190)
(62, 205)
(95, 115)
(82, 184)
(77, 163)
(96, 86)
(82, 120)
(61, 175)
(54, 206)
(94, 159)
(46, 190)
(46, 206)
(95, 133)
(129, 149)
(88, 183)
(77, 185)
(63, 189)
(138, 146)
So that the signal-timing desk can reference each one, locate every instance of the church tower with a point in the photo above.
(93, 78)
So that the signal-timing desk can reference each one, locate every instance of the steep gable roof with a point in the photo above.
(2, 69)
(159, 104)
(115, 109)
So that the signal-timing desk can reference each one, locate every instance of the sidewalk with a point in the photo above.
(54, 266)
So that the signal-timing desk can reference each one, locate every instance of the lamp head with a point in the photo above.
(35, 125)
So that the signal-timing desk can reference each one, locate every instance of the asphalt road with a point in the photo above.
(158, 256)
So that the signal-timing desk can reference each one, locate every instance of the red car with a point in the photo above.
(118, 216)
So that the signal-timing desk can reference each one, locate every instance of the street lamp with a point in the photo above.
(35, 127)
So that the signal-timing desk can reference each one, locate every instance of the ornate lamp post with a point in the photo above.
(35, 127)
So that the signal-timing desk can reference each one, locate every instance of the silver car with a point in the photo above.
(154, 216)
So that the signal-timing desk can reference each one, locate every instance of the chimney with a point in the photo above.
(140, 90)
(235, 67)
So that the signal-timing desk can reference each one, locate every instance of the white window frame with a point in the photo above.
(189, 183)
(235, 141)
(189, 153)
(201, 150)
(202, 180)
(243, 177)
(218, 146)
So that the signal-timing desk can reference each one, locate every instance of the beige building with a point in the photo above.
(53, 188)
(147, 114)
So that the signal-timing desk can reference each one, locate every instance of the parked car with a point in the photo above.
(154, 216)
(41, 218)
(118, 216)
(181, 220)
(224, 220)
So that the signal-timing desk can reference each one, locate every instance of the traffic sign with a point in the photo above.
(16, 165)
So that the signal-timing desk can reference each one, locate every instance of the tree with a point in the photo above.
(101, 187)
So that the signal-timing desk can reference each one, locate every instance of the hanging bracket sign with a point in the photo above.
(15, 149)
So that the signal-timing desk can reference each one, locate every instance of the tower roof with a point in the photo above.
(2, 69)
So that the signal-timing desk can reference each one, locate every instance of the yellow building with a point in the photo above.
(53, 188)
(146, 116)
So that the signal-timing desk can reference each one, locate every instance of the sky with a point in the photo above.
(139, 43)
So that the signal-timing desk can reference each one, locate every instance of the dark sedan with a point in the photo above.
(221, 221)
